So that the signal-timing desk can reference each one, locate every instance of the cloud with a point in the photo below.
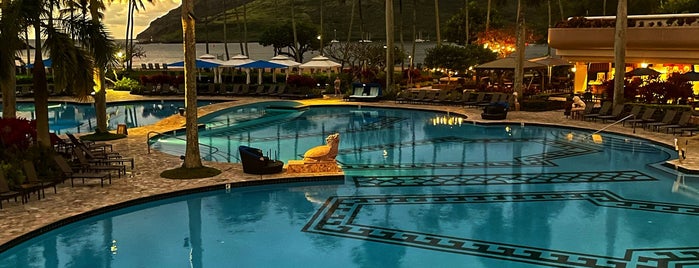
(116, 13)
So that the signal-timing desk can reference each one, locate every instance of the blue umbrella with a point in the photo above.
(200, 64)
(262, 64)
(259, 65)
(47, 64)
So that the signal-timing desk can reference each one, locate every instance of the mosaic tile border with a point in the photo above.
(337, 215)
(495, 179)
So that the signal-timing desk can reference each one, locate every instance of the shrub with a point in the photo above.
(127, 84)
(301, 81)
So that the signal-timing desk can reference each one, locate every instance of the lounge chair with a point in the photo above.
(280, 90)
(415, 98)
(668, 119)
(98, 165)
(33, 183)
(90, 145)
(616, 114)
(479, 98)
(682, 122)
(647, 116)
(366, 92)
(441, 97)
(602, 111)
(7, 194)
(69, 173)
(107, 159)
(254, 162)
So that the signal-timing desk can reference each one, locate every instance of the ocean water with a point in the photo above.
(172, 52)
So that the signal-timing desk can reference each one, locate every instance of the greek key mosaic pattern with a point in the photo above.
(494, 179)
(337, 216)
(564, 149)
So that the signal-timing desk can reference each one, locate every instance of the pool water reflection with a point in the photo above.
(418, 192)
(78, 117)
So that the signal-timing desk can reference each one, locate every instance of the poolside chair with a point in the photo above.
(604, 110)
(69, 173)
(143, 66)
(254, 162)
(32, 181)
(106, 159)
(150, 66)
(7, 194)
(157, 66)
(668, 119)
(245, 88)
(479, 98)
(280, 90)
(682, 122)
(441, 97)
(647, 116)
(258, 90)
(416, 98)
(164, 66)
(271, 89)
(97, 165)
(402, 96)
(92, 146)
(616, 114)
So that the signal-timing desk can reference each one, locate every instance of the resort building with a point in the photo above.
(667, 43)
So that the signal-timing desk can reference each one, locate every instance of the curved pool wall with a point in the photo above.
(80, 117)
(513, 196)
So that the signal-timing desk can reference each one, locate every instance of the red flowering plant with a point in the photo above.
(17, 133)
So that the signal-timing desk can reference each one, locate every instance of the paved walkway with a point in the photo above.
(19, 219)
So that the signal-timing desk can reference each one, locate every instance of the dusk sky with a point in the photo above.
(115, 15)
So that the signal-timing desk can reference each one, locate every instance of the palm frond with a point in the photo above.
(73, 67)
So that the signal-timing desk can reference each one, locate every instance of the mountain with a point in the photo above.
(336, 14)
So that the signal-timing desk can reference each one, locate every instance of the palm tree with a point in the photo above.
(620, 52)
(9, 33)
(192, 158)
(436, 16)
(390, 35)
(487, 17)
(519, 62)
(103, 49)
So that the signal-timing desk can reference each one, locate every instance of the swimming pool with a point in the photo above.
(421, 189)
(80, 117)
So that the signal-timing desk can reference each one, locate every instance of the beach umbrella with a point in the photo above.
(281, 59)
(259, 65)
(551, 62)
(690, 76)
(642, 72)
(201, 64)
(320, 62)
(238, 60)
(47, 64)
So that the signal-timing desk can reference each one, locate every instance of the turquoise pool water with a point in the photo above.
(77, 118)
(422, 189)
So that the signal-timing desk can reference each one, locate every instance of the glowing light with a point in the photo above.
(569, 136)
(644, 65)
(573, 69)
(597, 138)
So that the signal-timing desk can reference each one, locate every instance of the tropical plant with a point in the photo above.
(456, 58)
(127, 84)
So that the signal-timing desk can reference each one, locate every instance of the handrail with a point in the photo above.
(616, 122)
(215, 150)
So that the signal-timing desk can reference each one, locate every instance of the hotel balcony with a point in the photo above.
(667, 38)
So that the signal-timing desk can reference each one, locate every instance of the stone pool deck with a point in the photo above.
(144, 180)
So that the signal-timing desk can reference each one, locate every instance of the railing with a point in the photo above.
(617, 122)
(213, 150)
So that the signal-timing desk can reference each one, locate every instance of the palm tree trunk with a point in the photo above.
(390, 35)
(129, 15)
(240, 31)
(225, 29)
(560, 7)
(321, 28)
(293, 29)
(519, 62)
(8, 78)
(487, 18)
(41, 96)
(466, 24)
(412, 50)
(436, 17)
(192, 157)
(400, 33)
(99, 74)
(620, 52)
(245, 28)
(206, 25)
